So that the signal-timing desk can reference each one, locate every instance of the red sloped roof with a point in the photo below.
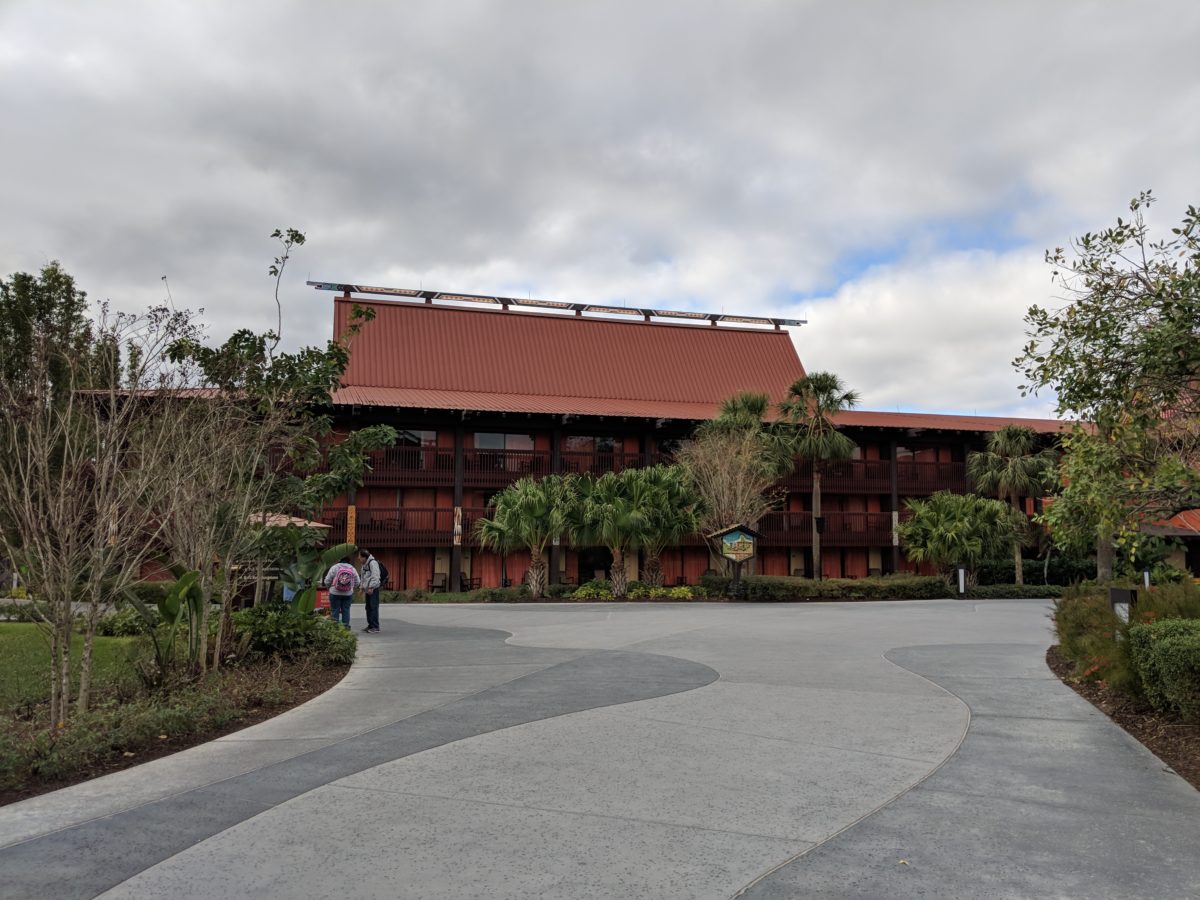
(866, 419)
(439, 357)
(1183, 524)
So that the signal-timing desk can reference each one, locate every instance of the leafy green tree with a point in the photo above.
(951, 529)
(44, 326)
(260, 443)
(529, 514)
(811, 403)
(672, 514)
(1122, 351)
(733, 465)
(1012, 467)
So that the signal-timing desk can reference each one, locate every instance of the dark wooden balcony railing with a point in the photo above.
(434, 466)
(416, 466)
(928, 477)
(842, 529)
(389, 527)
(874, 476)
(498, 468)
(599, 462)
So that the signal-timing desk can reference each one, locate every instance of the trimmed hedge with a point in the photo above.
(1063, 571)
(1015, 592)
(1166, 657)
(767, 588)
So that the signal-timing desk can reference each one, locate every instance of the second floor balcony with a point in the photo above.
(874, 476)
(392, 528)
(434, 466)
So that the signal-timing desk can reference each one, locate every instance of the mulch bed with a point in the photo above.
(1166, 736)
(304, 681)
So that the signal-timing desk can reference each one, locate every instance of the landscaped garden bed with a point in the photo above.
(1143, 673)
(274, 665)
(757, 588)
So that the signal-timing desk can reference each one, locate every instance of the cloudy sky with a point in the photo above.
(891, 171)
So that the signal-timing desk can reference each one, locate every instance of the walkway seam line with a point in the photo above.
(565, 812)
(209, 784)
(958, 746)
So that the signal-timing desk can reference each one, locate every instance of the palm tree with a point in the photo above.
(949, 530)
(613, 511)
(746, 413)
(529, 514)
(672, 515)
(810, 403)
(1011, 468)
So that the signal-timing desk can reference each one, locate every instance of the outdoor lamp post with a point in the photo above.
(1122, 602)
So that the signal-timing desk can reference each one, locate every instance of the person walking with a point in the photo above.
(342, 581)
(372, 581)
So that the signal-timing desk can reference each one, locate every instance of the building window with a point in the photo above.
(586, 443)
(409, 438)
(494, 440)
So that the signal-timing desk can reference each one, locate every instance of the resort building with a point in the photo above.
(486, 390)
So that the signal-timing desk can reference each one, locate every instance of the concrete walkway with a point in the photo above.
(693, 750)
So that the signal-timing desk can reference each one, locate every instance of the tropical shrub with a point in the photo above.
(127, 622)
(150, 593)
(1165, 573)
(1166, 657)
(593, 590)
(515, 594)
(276, 630)
(951, 529)
(560, 590)
(331, 644)
(23, 612)
(1099, 643)
(715, 585)
(1060, 570)
(671, 593)
(412, 595)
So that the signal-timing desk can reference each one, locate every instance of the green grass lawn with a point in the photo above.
(25, 662)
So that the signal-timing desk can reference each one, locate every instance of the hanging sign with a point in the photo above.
(738, 542)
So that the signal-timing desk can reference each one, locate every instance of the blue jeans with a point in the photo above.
(372, 598)
(339, 608)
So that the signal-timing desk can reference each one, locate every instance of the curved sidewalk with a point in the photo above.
(456, 760)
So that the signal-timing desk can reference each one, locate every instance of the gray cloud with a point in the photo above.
(867, 163)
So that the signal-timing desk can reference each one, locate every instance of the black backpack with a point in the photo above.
(384, 577)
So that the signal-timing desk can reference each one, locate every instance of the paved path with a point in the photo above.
(693, 750)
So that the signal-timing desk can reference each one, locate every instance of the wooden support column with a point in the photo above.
(351, 515)
(457, 538)
(555, 466)
(893, 556)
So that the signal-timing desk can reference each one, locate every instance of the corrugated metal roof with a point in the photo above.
(418, 355)
(866, 419)
(422, 356)
(419, 398)
(1184, 524)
